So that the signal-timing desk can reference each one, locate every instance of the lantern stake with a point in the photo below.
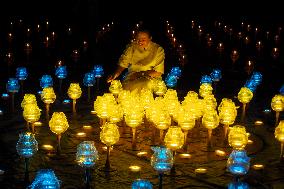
(277, 117)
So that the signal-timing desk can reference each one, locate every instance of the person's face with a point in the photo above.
(143, 39)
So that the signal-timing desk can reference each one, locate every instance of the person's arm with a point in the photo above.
(116, 74)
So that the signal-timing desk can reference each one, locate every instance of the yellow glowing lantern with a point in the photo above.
(109, 135)
(277, 104)
(48, 96)
(238, 137)
(74, 92)
(174, 138)
(28, 99)
(31, 114)
(115, 87)
(244, 96)
(205, 89)
(159, 87)
(210, 120)
(279, 135)
(58, 124)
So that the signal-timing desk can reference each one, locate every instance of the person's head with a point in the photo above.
(143, 38)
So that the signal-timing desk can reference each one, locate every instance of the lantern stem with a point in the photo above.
(87, 177)
(134, 147)
(59, 144)
(28, 126)
(281, 151)
(209, 143)
(74, 106)
(47, 111)
(27, 170)
(185, 139)
(173, 169)
(226, 127)
(98, 85)
(22, 87)
(89, 93)
(160, 180)
(277, 118)
(13, 102)
(33, 127)
(161, 136)
(243, 113)
(107, 164)
(154, 130)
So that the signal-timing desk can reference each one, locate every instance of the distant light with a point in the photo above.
(81, 134)
(1, 112)
(39, 92)
(93, 112)
(267, 111)
(87, 127)
(66, 101)
(2, 172)
(250, 141)
(5, 95)
(47, 147)
(38, 123)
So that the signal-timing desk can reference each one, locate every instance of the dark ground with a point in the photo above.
(200, 60)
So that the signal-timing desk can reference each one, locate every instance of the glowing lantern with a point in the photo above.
(234, 56)
(98, 71)
(109, 135)
(256, 77)
(26, 147)
(205, 89)
(159, 87)
(12, 87)
(74, 92)
(89, 81)
(28, 99)
(115, 87)
(21, 73)
(162, 121)
(31, 114)
(48, 97)
(210, 120)
(277, 104)
(238, 137)
(45, 178)
(206, 79)
(238, 162)
(216, 75)
(162, 160)
(238, 185)
(281, 90)
(86, 157)
(171, 80)
(244, 96)
(279, 135)
(61, 73)
(58, 124)
(141, 184)
(174, 138)
(46, 81)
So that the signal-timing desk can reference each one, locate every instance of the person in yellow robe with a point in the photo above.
(144, 60)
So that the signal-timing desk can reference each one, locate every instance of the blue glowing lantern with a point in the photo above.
(98, 71)
(176, 71)
(21, 73)
(206, 79)
(238, 185)
(46, 81)
(13, 85)
(238, 162)
(27, 145)
(141, 184)
(162, 159)
(281, 90)
(256, 77)
(89, 79)
(61, 72)
(171, 80)
(45, 178)
(216, 75)
(87, 154)
(251, 84)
